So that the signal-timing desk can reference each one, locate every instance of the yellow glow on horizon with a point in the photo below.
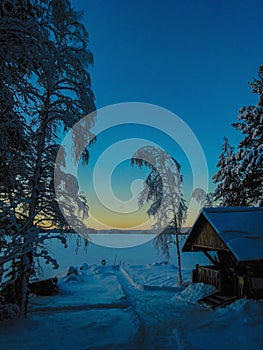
(106, 220)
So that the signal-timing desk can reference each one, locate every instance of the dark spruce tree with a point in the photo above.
(227, 178)
(240, 176)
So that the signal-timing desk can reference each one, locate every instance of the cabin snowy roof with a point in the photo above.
(238, 229)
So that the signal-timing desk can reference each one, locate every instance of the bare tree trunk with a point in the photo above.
(178, 225)
(180, 278)
(27, 258)
(23, 285)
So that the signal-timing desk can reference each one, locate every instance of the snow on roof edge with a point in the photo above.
(238, 252)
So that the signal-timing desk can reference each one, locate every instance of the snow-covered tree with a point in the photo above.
(206, 200)
(227, 178)
(163, 190)
(47, 89)
(250, 149)
(18, 26)
(240, 177)
(62, 96)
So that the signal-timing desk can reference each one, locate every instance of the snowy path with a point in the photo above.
(158, 316)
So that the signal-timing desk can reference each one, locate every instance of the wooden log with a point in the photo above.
(44, 287)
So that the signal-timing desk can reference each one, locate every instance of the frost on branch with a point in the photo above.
(45, 90)
(163, 190)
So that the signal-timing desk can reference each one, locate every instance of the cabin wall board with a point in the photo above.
(208, 238)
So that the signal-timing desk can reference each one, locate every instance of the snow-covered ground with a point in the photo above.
(137, 305)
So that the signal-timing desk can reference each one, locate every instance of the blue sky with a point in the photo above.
(191, 57)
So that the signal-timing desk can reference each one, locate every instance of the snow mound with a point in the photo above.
(84, 267)
(104, 270)
(244, 306)
(195, 291)
(73, 279)
(159, 263)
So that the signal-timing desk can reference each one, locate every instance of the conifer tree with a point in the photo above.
(240, 176)
(227, 179)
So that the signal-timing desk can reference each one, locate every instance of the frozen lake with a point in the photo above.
(142, 254)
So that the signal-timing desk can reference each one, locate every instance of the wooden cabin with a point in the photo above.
(232, 239)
